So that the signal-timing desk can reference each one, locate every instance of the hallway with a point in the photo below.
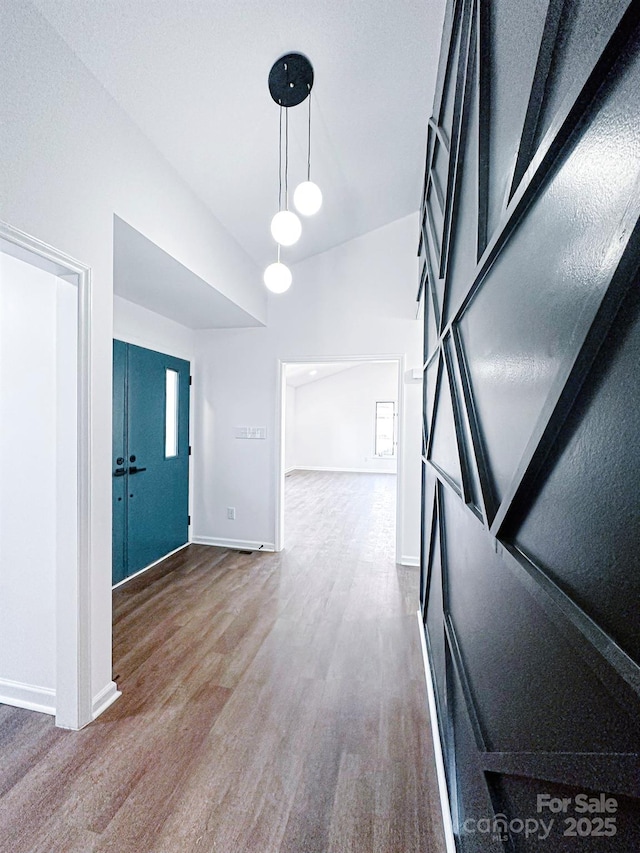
(271, 702)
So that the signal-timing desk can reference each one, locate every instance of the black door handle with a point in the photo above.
(119, 472)
(134, 470)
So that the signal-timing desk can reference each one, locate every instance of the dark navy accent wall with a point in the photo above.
(529, 270)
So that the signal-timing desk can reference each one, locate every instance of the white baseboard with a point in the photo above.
(235, 544)
(27, 696)
(340, 470)
(150, 566)
(437, 745)
(409, 561)
(107, 696)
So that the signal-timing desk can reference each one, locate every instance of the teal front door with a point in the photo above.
(150, 457)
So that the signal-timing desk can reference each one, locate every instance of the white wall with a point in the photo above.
(70, 159)
(38, 493)
(137, 325)
(71, 156)
(334, 420)
(357, 299)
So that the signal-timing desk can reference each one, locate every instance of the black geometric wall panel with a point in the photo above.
(575, 35)
(431, 375)
(428, 503)
(443, 445)
(432, 313)
(592, 548)
(521, 330)
(472, 491)
(434, 612)
(464, 253)
(509, 50)
(553, 704)
(468, 783)
(530, 259)
(584, 831)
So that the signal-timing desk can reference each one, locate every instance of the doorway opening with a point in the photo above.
(45, 641)
(340, 414)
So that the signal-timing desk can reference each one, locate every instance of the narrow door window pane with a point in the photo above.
(171, 417)
(386, 429)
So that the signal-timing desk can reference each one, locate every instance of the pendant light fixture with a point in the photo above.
(277, 276)
(290, 83)
(307, 196)
(285, 225)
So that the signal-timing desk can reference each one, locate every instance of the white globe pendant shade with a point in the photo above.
(286, 228)
(307, 198)
(277, 277)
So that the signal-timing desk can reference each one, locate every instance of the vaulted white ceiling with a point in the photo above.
(192, 74)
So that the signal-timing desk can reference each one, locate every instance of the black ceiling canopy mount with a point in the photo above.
(290, 79)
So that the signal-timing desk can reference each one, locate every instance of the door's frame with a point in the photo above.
(73, 701)
(399, 361)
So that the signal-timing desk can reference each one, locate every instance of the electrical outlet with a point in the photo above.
(231, 513)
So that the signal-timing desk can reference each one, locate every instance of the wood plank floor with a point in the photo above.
(272, 703)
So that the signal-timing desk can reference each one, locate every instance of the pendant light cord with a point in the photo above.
(280, 163)
(286, 159)
(309, 138)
